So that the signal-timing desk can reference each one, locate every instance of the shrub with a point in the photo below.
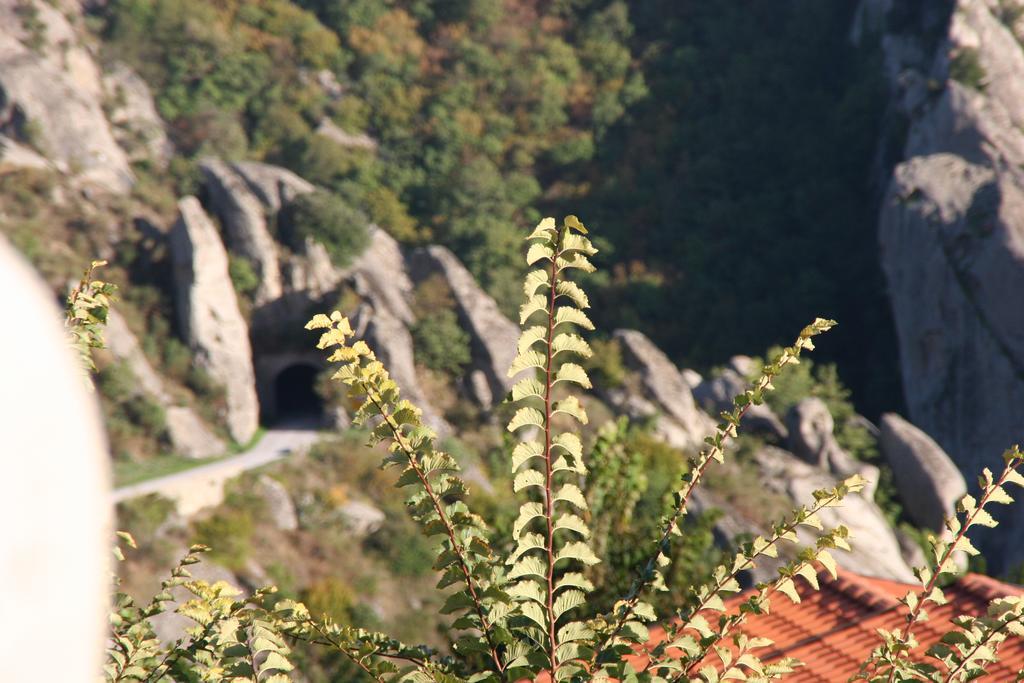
(325, 218)
(441, 343)
(520, 604)
(229, 531)
(243, 277)
(966, 68)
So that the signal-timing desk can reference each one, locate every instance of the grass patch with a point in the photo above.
(128, 473)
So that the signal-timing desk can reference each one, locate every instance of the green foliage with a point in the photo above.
(966, 68)
(521, 611)
(243, 275)
(231, 528)
(31, 24)
(605, 365)
(441, 343)
(964, 652)
(325, 218)
(822, 381)
(87, 308)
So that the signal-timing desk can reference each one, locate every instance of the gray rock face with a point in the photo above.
(14, 155)
(493, 335)
(273, 185)
(55, 546)
(383, 276)
(241, 212)
(56, 91)
(929, 482)
(875, 548)
(209, 315)
(685, 426)
(279, 504)
(811, 439)
(189, 436)
(717, 393)
(138, 129)
(952, 239)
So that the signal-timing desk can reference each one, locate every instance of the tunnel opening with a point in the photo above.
(295, 395)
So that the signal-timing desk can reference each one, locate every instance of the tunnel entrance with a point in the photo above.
(295, 396)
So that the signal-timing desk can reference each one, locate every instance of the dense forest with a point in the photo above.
(725, 153)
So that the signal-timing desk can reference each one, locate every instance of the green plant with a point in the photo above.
(520, 606)
(325, 218)
(34, 27)
(243, 276)
(966, 68)
(441, 343)
(86, 312)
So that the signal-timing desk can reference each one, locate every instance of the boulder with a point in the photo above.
(875, 550)
(58, 526)
(242, 215)
(138, 129)
(278, 502)
(361, 518)
(662, 383)
(209, 316)
(717, 393)
(330, 130)
(189, 435)
(812, 439)
(493, 336)
(928, 481)
(273, 185)
(50, 95)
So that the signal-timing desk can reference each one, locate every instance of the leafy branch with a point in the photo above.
(622, 618)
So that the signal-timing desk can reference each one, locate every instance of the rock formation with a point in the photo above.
(241, 212)
(717, 393)
(51, 96)
(279, 505)
(209, 316)
(812, 439)
(952, 236)
(273, 185)
(493, 336)
(928, 482)
(137, 127)
(680, 422)
(875, 548)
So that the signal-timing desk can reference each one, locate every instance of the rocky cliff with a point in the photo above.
(951, 228)
(948, 224)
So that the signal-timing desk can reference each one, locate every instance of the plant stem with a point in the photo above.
(449, 529)
(548, 475)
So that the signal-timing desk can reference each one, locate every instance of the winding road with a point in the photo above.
(203, 485)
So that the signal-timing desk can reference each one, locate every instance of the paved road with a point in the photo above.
(203, 486)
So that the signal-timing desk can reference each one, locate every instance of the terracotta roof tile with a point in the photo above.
(834, 629)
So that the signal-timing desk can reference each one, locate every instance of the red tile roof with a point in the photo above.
(833, 630)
